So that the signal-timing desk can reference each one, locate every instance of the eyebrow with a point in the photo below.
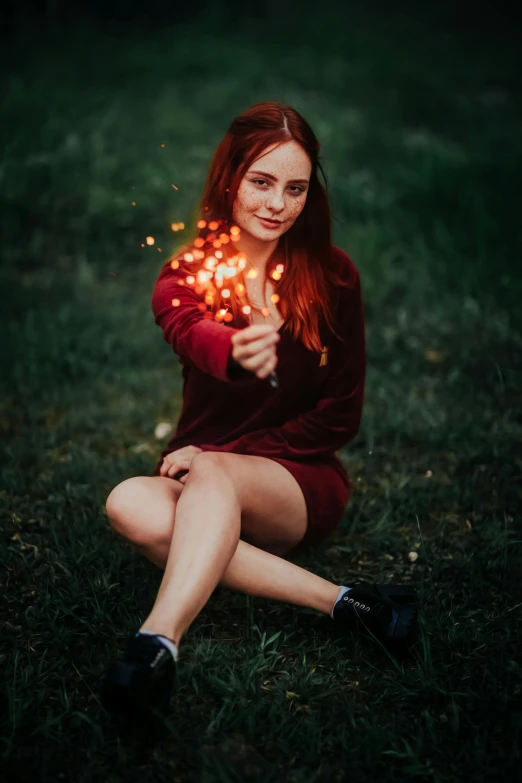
(271, 176)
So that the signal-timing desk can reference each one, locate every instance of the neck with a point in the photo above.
(257, 252)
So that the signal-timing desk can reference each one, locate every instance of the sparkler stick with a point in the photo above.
(215, 271)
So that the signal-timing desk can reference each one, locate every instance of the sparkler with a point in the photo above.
(217, 274)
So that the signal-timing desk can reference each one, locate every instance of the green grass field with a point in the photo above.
(421, 145)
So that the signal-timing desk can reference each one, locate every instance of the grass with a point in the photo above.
(420, 128)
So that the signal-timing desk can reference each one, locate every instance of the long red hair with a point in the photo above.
(310, 284)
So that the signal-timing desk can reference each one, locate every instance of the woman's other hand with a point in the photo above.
(254, 348)
(177, 461)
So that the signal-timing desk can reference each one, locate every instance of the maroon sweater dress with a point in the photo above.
(315, 411)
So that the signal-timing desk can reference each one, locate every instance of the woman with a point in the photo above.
(251, 474)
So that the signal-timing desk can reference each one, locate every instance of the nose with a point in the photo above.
(275, 201)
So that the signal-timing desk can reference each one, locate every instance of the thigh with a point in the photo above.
(273, 508)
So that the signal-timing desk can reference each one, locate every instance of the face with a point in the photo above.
(275, 186)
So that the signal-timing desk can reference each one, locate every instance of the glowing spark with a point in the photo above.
(149, 240)
(175, 188)
(133, 203)
(215, 270)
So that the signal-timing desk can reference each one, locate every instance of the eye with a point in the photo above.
(297, 188)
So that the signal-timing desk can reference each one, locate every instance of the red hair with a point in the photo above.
(312, 277)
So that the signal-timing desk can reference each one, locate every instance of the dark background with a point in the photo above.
(418, 110)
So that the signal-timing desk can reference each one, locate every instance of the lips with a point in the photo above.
(271, 222)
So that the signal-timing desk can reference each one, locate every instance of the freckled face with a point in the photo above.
(277, 197)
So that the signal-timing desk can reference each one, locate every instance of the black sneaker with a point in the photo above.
(390, 612)
(142, 680)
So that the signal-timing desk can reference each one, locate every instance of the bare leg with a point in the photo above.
(201, 555)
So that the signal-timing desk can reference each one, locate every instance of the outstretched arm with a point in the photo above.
(197, 340)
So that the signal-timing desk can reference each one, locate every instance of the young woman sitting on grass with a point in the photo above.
(251, 475)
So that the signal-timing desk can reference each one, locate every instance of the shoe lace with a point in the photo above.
(379, 606)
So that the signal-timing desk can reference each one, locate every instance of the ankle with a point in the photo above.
(342, 590)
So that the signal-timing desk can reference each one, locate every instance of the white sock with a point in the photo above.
(168, 644)
(342, 591)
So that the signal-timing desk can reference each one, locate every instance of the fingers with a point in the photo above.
(269, 366)
(264, 363)
(255, 354)
(171, 466)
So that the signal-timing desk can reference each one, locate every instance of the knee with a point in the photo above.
(208, 462)
(125, 505)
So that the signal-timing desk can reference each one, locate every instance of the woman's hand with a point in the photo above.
(179, 460)
(254, 348)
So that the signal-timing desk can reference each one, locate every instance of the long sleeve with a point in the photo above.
(197, 340)
(336, 419)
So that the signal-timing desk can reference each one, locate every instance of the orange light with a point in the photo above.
(174, 226)
(133, 203)
(201, 223)
(275, 298)
(174, 264)
(176, 303)
(175, 188)
(162, 145)
(191, 279)
(143, 244)
(217, 243)
(276, 275)
(225, 293)
(234, 230)
(265, 311)
(229, 317)
(219, 254)
(224, 238)
(199, 242)
(160, 250)
(188, 257)
(213, 225)
(149, 240)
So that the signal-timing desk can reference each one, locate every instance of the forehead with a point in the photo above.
(286, 160)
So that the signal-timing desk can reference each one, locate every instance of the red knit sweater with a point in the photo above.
(315, 411)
